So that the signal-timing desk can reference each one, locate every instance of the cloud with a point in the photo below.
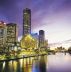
(45, 13)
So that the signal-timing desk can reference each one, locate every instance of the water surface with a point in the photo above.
(51, 63)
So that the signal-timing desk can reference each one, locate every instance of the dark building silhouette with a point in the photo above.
(26, 21)
(41, 38)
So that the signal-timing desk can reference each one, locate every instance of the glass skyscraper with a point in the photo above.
(26, 21)
(41, 38)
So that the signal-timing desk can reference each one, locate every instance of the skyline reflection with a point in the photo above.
(50, 63)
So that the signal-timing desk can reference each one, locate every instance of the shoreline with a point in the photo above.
(22, 57)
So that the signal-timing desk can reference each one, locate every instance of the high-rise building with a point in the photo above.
(41, 38)
(26, 21)
(2, 35)
(11, 34)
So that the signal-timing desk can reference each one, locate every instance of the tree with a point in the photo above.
(28, 42)
(69, 50)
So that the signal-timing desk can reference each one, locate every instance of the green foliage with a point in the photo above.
(69, 50)
(28, 42)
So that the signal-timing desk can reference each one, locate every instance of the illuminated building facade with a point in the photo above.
(2, 35)
(41, 38)
(11, 34)
(26, 21)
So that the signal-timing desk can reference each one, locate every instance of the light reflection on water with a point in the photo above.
(50, 63)
(24, 65)
(59, 63)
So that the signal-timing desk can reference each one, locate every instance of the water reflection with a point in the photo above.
(40, 64)
(35, 64)
(1, 65)
(54, 63)
(59, 63)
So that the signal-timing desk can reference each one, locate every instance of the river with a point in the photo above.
(51, 63)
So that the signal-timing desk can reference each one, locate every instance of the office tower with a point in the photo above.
(11, 34)
(41, 38)
(26, 21)
(2, 35)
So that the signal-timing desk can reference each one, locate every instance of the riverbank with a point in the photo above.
(16, 58)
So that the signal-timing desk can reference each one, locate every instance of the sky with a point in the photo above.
(52, 16)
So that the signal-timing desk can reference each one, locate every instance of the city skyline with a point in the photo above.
(54, 17)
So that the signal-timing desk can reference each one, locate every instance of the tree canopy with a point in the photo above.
(28, 42)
